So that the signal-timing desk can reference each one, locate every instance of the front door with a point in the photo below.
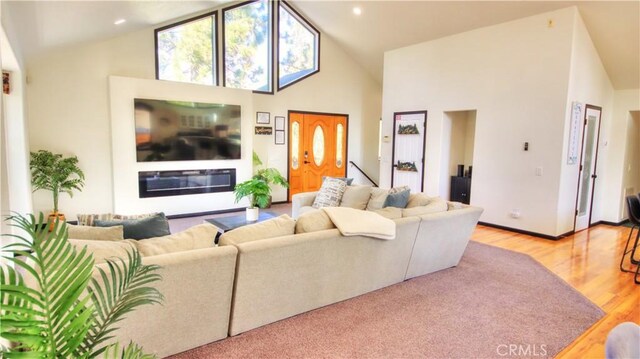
(409, 136)
(587, 179)
(317, 148)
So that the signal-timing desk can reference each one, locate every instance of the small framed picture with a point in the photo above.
(6, 82)
(279, 137)
(263, 118)
(264, 130)
(279, 123)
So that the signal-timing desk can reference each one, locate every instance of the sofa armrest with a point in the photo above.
(299, 200)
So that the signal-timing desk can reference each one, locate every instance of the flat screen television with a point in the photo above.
(186, 131)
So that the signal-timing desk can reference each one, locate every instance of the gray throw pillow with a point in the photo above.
(154, 226)
(398, 200)
(349, 181)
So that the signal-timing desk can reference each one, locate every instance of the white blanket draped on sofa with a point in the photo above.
(354, 222)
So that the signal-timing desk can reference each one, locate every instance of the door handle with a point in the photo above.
(306, 162)
(594, 176)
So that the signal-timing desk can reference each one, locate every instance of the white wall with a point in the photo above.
(16, 177)
(616, 136)
(588, 83)
(68, 108)
(125, 166)
(631, 167)
(516, 76)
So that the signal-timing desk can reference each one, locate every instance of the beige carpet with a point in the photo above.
(493, 302)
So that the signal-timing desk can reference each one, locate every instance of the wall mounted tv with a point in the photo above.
(186, 131)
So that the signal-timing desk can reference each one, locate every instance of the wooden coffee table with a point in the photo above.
(230, 223)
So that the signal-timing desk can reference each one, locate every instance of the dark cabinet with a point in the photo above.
(460, 189)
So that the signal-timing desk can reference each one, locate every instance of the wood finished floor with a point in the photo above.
(588, 261)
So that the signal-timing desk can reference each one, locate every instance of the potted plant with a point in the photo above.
(57, 174)
(258, 189)
(258, 192)
(269, 175)
(63, 311)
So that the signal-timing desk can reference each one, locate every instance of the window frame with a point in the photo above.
(303, 20)
(271, 45)
(214, 44)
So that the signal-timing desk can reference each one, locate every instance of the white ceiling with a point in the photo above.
(614, 26)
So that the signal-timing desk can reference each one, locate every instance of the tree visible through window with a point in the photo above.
(298, 44)
(186, 52)
(247, 46)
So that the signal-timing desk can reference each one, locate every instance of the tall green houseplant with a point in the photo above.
(51, 304)
(54, 173)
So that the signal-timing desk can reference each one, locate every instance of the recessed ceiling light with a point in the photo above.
(357, 10)
(119, 21)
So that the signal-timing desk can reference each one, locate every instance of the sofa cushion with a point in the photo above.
(436, 205)
(196, 237)
(390, 212)
(114, 233)
(398, 199)
(378, 196)
(155, 226)
(356, 197)
(419, 199)
(349, 181)
(103, 250)
(313, 221)
(275, 227)
(330, 193)
(89, 219)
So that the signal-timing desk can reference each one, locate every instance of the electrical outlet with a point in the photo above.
(515, 213)
(538, 171)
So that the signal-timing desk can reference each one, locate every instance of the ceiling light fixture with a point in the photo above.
(119, 21)
(357, 11)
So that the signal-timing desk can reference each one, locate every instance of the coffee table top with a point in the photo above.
(229, 223)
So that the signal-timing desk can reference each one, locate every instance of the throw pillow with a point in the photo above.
(349, 181)
(89, 219)
(196, 237)
(390, 212)
(418, 199)
(330, 193)
(114, 233)
(103, 250)
(275, 227)
(356, 197)
(313, 221)
(149, 227)
(435, 206)
(378, 196)
(398, 200)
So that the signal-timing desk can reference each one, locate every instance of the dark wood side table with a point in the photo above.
(230, 223)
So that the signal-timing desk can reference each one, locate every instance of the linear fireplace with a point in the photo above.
(176, 183)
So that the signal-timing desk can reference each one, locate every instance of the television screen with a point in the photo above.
(186, 131)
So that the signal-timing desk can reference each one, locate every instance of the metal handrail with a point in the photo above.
(361, 171)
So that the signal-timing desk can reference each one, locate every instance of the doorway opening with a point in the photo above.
(459, 131)
(317, 148)
(588, 167)
(631, 171)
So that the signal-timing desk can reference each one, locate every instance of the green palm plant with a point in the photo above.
(54, 173)
(53, 307)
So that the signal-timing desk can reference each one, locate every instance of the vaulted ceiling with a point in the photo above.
(614, 26)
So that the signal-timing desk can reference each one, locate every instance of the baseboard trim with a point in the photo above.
(529, 233)
(198, 214)
(611, 223)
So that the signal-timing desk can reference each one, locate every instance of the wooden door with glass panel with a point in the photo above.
(317, 148)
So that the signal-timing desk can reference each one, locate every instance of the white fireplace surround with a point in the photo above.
(125, 167)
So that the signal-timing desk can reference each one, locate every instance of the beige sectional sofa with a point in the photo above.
(282, 276)
(280, 268)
